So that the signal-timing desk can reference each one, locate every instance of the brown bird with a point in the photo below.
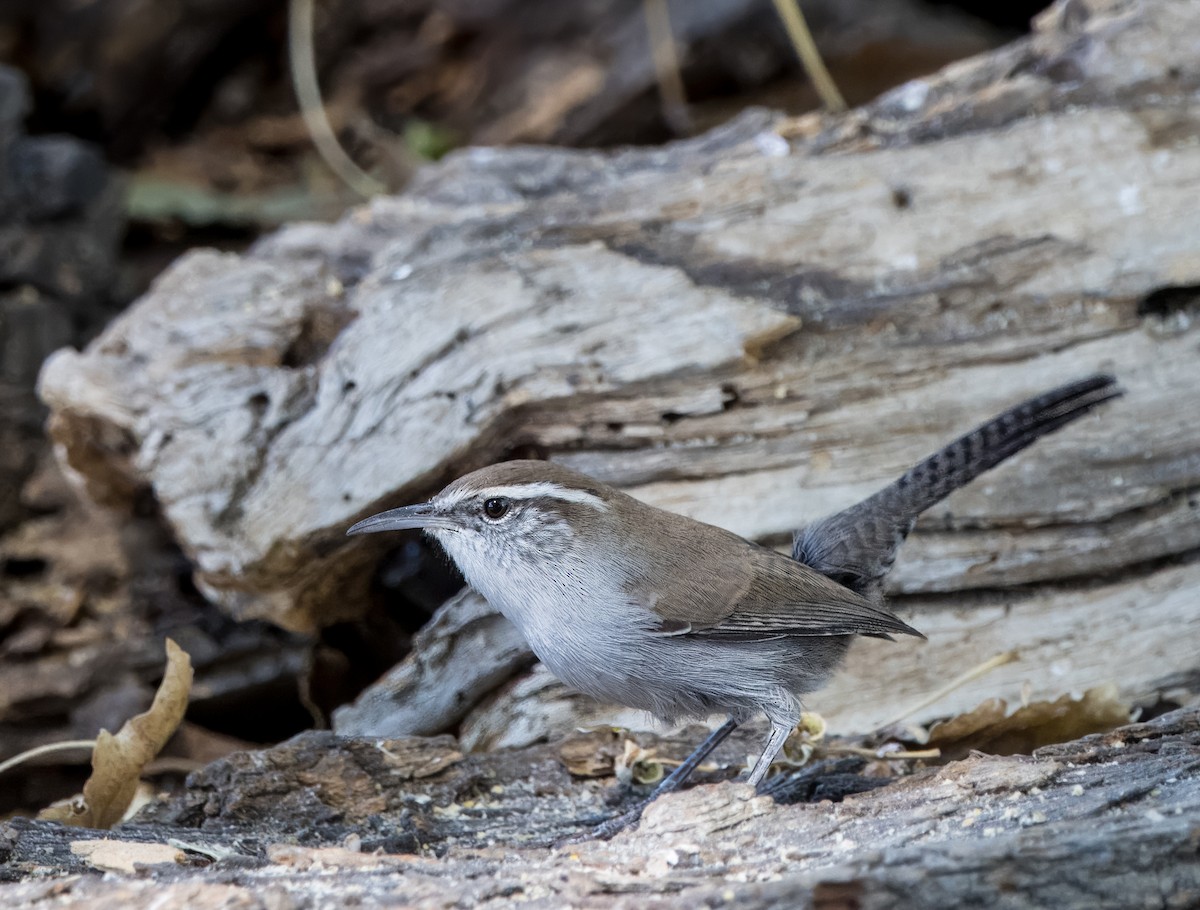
(649, 609)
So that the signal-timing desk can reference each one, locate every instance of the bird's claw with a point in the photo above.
(606, 830)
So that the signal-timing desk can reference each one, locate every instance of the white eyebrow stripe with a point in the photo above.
(532, 490)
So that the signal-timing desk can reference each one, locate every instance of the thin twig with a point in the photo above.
(971, 675)
(45, 750)
(810, 57)
(302, 57)
(666, 66)
(877, 753)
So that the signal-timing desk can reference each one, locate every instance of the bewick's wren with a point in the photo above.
(649, 609)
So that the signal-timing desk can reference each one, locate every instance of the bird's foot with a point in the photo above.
(608, 828)
(614, 826)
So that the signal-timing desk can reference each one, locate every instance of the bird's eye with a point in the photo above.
(497, 508)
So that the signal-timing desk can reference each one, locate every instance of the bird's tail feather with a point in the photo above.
(858, 545)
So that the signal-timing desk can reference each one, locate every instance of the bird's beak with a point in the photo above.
(423, 515)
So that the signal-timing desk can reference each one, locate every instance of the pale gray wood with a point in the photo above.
(755, 327)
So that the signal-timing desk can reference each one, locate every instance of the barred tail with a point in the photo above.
(857, 547)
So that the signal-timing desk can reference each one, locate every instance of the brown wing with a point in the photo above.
(787, 598)
(722, 585)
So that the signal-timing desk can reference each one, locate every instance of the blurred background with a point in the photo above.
(133, 130)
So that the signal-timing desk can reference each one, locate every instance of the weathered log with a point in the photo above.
(754, 328)
(1106, 821)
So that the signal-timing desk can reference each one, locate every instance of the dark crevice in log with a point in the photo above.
(1170, 301)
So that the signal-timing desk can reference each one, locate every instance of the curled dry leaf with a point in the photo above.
(990, 728)
(803, 741)
(638, 765)
(117, 760)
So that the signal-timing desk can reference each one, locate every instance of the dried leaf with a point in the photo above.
(117, 760)
(803, 741)
(638, 765)
(124, 856)
(989, 728)
(590, 754)
(972, 723)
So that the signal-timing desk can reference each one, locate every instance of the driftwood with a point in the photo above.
(754, 327)
(1106, 821)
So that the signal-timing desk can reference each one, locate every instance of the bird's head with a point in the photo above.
(512, 516)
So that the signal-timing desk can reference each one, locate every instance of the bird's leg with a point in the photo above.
(670, 783)
(676, 778)
(775, 741)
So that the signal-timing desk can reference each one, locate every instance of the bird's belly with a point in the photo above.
(591, 644)
(600, 647)
(599, 666)
(675, 677)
